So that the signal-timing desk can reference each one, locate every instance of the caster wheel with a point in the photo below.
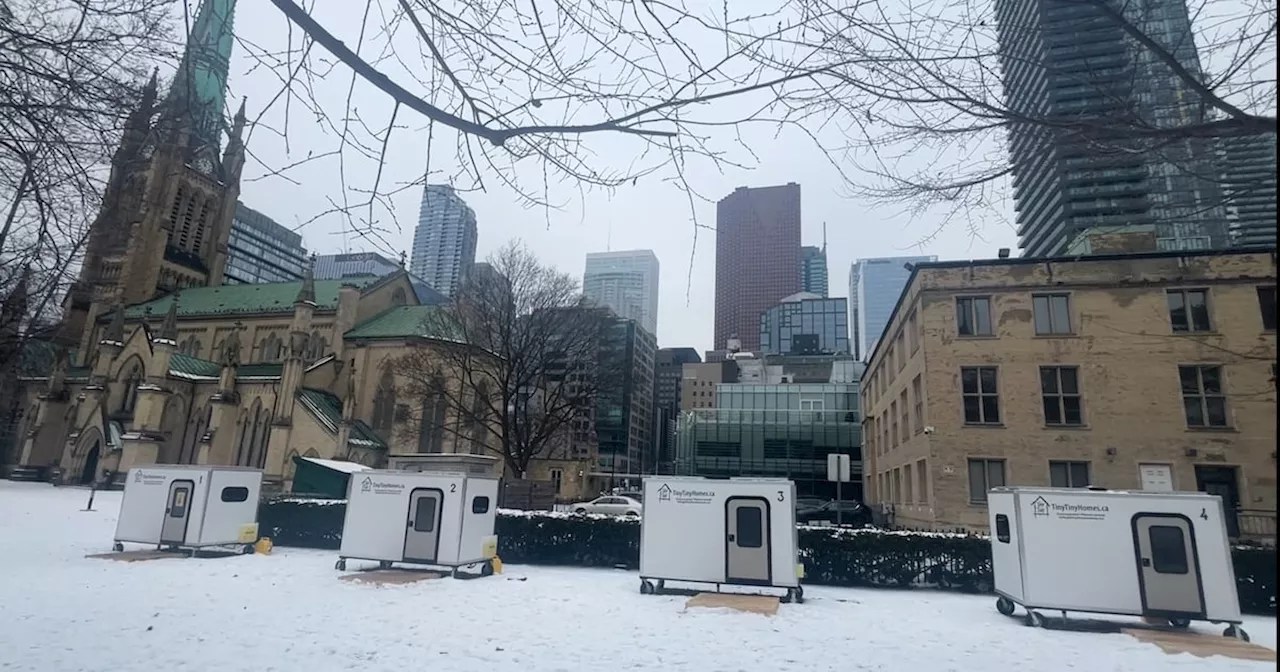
(1034, 620)
(340, 565)
(1004, 605)
(646, 588)
(787, 597)
(486, 569)
(118, 547)
(247, 550)
(661, 584)
(1235, 631)
(799, 598)
(384, 564)
(1180, 623)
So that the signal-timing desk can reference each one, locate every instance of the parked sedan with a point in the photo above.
(851, 513)
(610, 504)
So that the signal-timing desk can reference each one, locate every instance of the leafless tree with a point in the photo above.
(880, 87)
(514, 365)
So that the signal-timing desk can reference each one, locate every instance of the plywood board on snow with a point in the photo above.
(1202, 645)
(389, 577)
(766, 605)
(136, 556)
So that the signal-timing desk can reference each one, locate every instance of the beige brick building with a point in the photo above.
(698, 383)
(1148, 371)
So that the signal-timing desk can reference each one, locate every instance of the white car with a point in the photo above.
(610, 504)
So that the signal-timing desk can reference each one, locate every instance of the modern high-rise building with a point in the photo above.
(1249, 188)
(1070, 61)
(355, 264)
(444, 244)
(813, 270)
(757, 258)
(805, 324)
(260, 250)
(855, 335)
(626, 282)
(877, 283)
(624, 412)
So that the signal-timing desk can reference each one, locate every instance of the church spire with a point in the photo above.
(198, 93)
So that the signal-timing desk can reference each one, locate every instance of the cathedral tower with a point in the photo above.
(167, 209)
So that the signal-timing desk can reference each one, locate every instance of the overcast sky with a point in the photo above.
(654, 214)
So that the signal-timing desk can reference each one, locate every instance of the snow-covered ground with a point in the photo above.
(288, 611)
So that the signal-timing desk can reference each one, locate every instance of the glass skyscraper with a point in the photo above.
(626, 282)
(1249, 188)
(813, 270)
(260, 250)
(805, 324)
(1071, 63)
(444, 244)
(875, 285)
(354, 264)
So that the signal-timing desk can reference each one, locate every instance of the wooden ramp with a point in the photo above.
(1201, 645)
(766, 605)
(389, 577)
(137, 556)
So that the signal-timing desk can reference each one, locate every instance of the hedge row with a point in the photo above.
(832, 557)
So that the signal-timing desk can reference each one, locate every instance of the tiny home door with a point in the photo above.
(1168, 567)
(422, 539)
(177, 512)
(746, 553)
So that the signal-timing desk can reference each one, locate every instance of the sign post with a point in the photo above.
(838, 471)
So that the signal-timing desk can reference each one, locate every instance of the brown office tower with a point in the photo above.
(757, 258)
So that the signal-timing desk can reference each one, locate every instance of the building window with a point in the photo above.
(893, 419)
(922, 484)
(1189, 310)
(901, 350)
(1060, 393)
(902, 406)
(973, 316)
(1052, 313)
(908, 481)
(913, 334)
(984, 475)
(1069, 474)
(557, 478)
(384, 405)
(917, 391)
(1267, 303)
(981, 397)
(1202, 397)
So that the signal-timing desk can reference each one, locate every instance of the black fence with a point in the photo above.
(831, 556)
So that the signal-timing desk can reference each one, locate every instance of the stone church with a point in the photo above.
(156, 361)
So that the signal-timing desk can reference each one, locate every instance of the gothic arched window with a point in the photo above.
(434, 406)
(202, 221)
(248, 434)
(270, 349)
(479, 413)
(317, 346)
(133, 377)
(263, 422)
(384, 405)
(398, 297)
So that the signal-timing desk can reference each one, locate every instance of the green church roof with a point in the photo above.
(275, 297)
(328, 410)
(402, 322)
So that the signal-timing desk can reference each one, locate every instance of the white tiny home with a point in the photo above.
(441, 519)
(189, 506)
(1152, 554)
(737, 531)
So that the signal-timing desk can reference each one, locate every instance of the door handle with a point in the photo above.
(1146, 562)
(731, 537)
(410, 524)
(167, 510)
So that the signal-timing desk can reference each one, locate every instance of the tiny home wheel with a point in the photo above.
(1180, 622)
(1004, 605)
(1237, 632)
(787, 597)
(486, 569)
(247, 549)
(384, 564)
(646, 588)
(1034, 620)
(799, 594)
(118, 547)
(661, 584)
(340, 565)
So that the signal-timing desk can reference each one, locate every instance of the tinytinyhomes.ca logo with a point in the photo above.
(1040, 507)
(366, 485)
(664, 493)
(137, 477)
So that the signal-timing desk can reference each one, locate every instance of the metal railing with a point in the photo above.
(1256, 525)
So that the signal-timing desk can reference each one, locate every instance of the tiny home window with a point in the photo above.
(424, 518)
(235, 493)
(1168, 549)
(480, 505)
(1002, 528)
(750, 527)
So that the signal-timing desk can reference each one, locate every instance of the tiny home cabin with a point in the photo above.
(440, 519)
(189, 506)
(1152, 554)
(737, 531)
